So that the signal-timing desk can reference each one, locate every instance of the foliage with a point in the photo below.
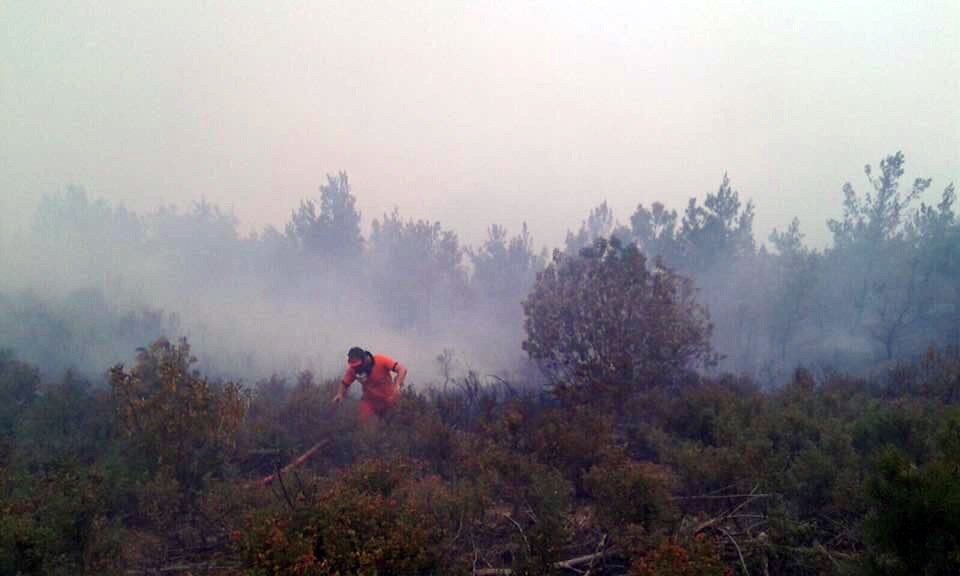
(182, 425)
(878, 215)
(504, 270)
(717, 232)
(69, 421)
(766, 469)
(603, 319)
(81, 331)
(886, 289)
(700, 557)
(60, 525)
(632, 500)
(332, 233)
(202, 244)
(694, 480)
(599, 224)
(18, 390)
(914, 527)
(366, 521)
(414, 264)
(655, 232)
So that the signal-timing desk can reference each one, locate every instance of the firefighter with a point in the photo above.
(380, 389)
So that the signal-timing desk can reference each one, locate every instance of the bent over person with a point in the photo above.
(375, 372)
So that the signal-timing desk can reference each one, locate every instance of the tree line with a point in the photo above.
(95, 279)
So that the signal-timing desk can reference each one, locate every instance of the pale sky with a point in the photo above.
(474, 113)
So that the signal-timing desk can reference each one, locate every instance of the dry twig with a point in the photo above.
(571, 564)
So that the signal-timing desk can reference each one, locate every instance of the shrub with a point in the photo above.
(606, 321)
(179, 423)
(701, 557)
(60, 525)
(365, 521)
(632, 501)
(18, 389)
(914, 525)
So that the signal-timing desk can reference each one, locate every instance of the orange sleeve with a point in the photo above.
(349, 376)
(386, 361)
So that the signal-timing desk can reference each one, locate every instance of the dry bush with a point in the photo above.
(364, 521)
(700, 557)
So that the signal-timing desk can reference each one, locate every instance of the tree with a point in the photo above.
(795, 275)
(604, 320)
(914, 525)
(598, 224)
(202, 244)
(78, 242)
(876, 258)
(319, 240)
(718, 251)
(876, 216)
(718, 232)
(504, 270)
(19, 382)
(937, 235)
(655, 232)
(333, 233)
(71, 218)
(416, 270)
(871, 224)
(178, 421)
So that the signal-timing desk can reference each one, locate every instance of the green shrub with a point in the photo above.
(363, 522)
(632, 501)
(914, 523)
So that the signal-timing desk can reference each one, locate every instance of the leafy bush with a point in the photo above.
(18, 389)
(179, 423)
(60, 525)
(914, 525)
(605, 321)
(632, 501)
(366, 521)
(701, 557)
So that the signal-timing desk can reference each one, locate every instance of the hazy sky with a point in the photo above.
(473, 112)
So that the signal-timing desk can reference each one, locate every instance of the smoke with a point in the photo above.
(90, 282)
(87, 283)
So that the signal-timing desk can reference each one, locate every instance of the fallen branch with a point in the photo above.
(729, 513)
(283, 487)
(515, 523)
(720, 496)
(187, 568)
(821, 548)
(266, 481)
(570, 564)
(816, 550)
(600, 546)
(743, 564)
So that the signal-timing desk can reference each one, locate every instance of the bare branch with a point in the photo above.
(743, 564)
(266, 481)
(571, 564)
(515, 523)
(283, 487)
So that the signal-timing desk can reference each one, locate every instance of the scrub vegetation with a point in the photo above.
(665, 397)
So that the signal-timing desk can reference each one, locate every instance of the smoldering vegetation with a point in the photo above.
(664, 397)
(90, 282)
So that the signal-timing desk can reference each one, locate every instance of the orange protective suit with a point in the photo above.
(380, 391)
